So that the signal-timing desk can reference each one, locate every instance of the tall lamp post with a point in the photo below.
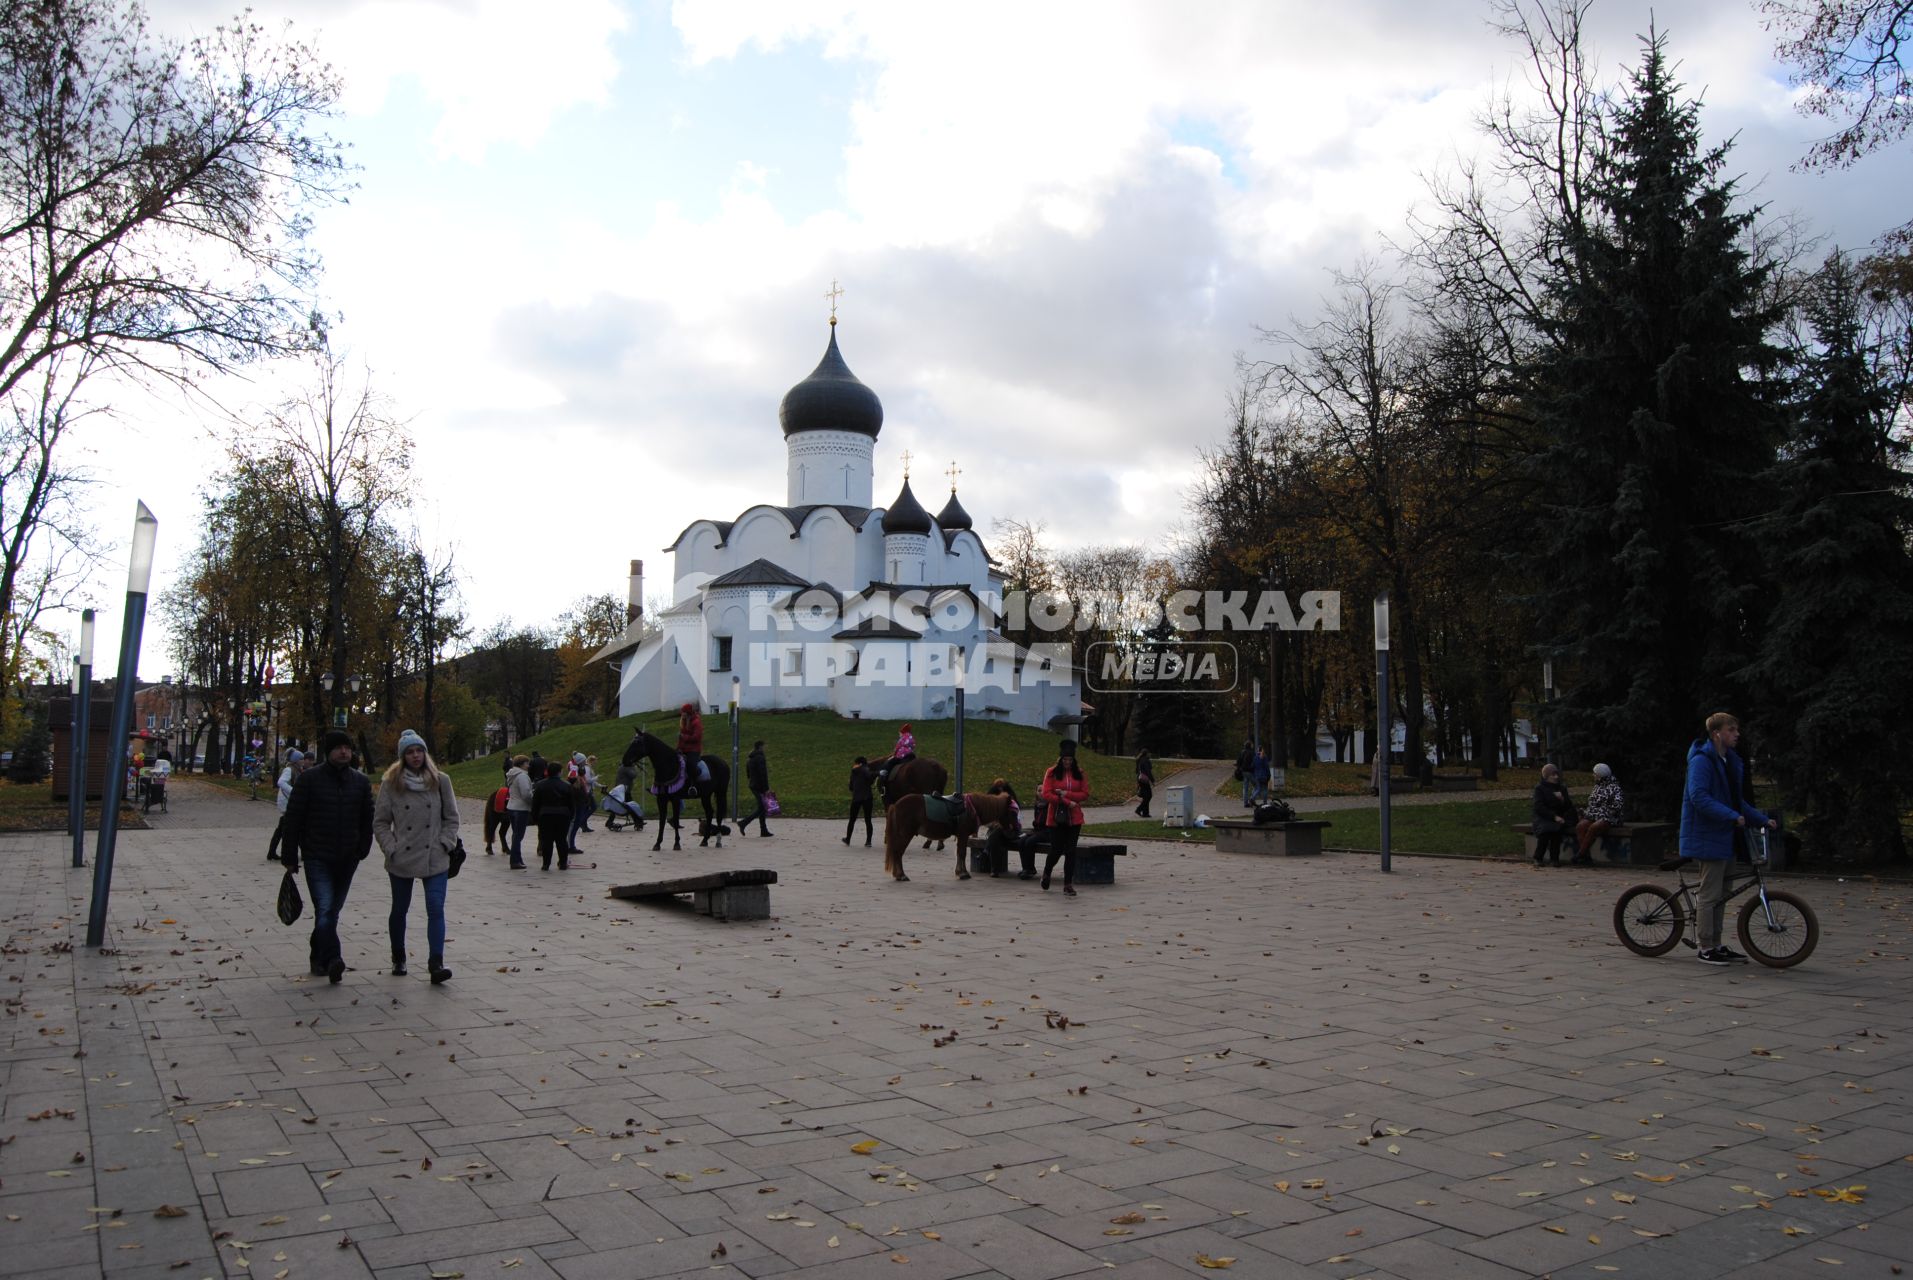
(737, 688)
(1385, 715)
(139, 574)
(1547, 710)
(76, 740)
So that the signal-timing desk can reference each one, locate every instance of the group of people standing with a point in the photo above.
(558, 797)
(331, 818)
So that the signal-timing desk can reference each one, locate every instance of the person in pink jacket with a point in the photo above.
(1065, 789)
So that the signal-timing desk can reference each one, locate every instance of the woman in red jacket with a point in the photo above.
(690, 732)
(1065, 789)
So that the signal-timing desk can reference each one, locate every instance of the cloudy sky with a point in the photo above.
(588, 251)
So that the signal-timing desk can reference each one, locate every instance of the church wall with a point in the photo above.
(760, 535)
(829, 550)
(698, 556)
(964, 562)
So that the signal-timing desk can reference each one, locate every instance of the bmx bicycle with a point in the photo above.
(1776, 928)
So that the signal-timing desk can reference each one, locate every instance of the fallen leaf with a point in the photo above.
(174, 1211)
(865, 1147)
(1204, 1261)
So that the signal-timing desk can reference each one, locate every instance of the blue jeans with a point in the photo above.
(434, 913)
(327, 883)
(520, 819)
(578, 819)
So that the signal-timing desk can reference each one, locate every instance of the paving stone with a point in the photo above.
(1500, 1079)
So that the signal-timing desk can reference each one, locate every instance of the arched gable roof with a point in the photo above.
(795, 517)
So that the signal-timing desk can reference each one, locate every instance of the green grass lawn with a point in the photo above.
(810, 753)
(1325, 779)
(1473, 828)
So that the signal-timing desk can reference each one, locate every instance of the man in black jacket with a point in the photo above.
(329, 828)
(758, 774)
(862, 778)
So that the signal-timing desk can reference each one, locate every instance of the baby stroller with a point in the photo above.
(152, 786)
(616, 806)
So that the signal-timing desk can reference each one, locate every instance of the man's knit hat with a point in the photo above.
(334, 738)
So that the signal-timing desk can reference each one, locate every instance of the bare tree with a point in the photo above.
(44, 546)
(154, 204)
(1851, 57)
(344, 466)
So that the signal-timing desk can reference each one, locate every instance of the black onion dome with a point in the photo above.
(831, 399)
(953, 516)
(906, 514)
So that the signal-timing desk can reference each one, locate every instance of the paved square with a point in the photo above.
(1297, 1064)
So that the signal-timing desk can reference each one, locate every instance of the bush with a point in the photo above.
(32, 748)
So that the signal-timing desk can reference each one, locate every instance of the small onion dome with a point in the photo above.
(906, 514)
(831, 399)
(953, 516)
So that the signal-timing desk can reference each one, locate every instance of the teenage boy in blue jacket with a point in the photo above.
(1713, 805)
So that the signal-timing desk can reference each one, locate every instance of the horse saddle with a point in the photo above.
(947, 811)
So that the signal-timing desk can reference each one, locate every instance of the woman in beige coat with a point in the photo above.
(415, 821)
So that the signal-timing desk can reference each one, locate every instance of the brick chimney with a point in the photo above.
(634, 598)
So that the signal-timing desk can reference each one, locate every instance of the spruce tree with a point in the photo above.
(1652, 394)
(1834, 675)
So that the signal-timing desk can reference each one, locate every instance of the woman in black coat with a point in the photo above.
(1553, 816)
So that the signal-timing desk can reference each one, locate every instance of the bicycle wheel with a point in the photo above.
(1649, 920)
(1791, 936)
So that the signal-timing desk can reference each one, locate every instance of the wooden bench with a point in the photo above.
(1291, 839)
(1456, 782)
(1625, 844)
(722, 895)
(1095, 863)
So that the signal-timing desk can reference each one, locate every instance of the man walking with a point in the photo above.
(758, 774)
(1713, 807)
(862, 778)
(329, 827)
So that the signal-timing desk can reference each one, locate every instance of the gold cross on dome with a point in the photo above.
(836, 292)
(906, 464)
(953, 473)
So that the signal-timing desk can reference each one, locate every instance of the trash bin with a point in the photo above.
(1178, 806)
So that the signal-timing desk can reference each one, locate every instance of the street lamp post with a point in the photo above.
(139, 573)
(737, 688)
(1547, 710)
(77, 744)
(1385, 716)
(1278, 746)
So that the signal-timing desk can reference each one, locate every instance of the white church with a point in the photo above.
(827, 601)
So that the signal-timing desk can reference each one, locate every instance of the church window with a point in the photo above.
(723, 662)
(794, 661)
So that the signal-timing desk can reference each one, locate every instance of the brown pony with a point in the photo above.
(907, 819)
(920, 776)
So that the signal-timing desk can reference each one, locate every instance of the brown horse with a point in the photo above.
(907, 819)
(919, 776)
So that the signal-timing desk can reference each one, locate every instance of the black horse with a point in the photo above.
(666, 768)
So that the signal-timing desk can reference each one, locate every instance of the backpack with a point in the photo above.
(499, 797)
(1273, 811)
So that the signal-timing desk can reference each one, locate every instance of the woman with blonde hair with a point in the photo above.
(415, 821)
